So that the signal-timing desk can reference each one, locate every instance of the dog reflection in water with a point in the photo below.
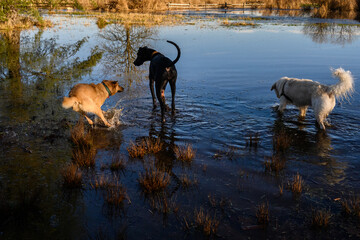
(304, 93)
(88, 98)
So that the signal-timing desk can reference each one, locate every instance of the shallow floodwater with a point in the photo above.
(224, 110)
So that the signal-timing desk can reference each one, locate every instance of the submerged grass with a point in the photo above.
(205, 222)
(153, 180)
(351, 206)
(262, 213)
(297, 184)
(320, 218)
(84, 151)
(184, 153)
(72, 176)
(145, 146)
(275, 163)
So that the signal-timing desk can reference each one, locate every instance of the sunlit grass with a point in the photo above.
(184, 153)
(205, 222)
(153, 180)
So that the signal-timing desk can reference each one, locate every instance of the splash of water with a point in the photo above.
(112, 115)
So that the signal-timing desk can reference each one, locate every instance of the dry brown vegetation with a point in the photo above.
(297, 184)
(281, 141)
(153, 180)
(351, 206)
(187, 182)
(184, 153)
(117, 163)
(84, 151)
(275, 163)
(262, 213)
(72, 176)
(116, 194)
(145, 146)
(228, 23)
(320, 218)
(205, 223)
(101, 182)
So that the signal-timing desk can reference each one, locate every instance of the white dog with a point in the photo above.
(304, 92)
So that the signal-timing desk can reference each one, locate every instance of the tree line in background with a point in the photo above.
(10, 10)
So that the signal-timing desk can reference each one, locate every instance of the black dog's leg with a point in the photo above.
(160, 93)
(173, 90)
(152, 92)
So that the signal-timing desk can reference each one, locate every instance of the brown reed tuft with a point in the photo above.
(297, 184)
(72, 176)
(351, 206)
(184, 153)
(262, 213)
(320, 218)
(204, 222)
(275, 163)
(116, 194)
(117, 163)
(153, 180)
(145, 146)
(84, 151)
(281, 141)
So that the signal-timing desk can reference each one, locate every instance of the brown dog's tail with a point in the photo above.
(178, 55)
(69, 102)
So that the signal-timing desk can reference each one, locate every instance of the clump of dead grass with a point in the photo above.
(227, 23)
(205, 222)
(145, 146)
(116, 194)
(72, 176)
(281, 141)
(297, 184)
(184, 153)
(262, 213)
(100, 182)
(320, 218)
(117, 163)
(84, 151)
(275, 163)
(153, 180)
(351, 206)
(187, 182)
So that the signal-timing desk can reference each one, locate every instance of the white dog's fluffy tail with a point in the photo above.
(69, 102)
(345, 87)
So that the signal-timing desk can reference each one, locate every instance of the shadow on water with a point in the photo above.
(309, 148)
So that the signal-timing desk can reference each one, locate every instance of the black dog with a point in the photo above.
(162, 70)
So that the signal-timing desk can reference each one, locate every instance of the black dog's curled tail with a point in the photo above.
(178, 55)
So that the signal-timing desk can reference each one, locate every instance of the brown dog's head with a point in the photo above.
(113, 86)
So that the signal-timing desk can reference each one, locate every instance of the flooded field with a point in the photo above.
(248, 173)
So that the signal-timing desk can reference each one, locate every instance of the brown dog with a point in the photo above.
(84, 98)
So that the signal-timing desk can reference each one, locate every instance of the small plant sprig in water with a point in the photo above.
(320, 218)
(72, 176)
(184, 153)
(153, 180)
(204, 222)
(262, 213)
(297, 184)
